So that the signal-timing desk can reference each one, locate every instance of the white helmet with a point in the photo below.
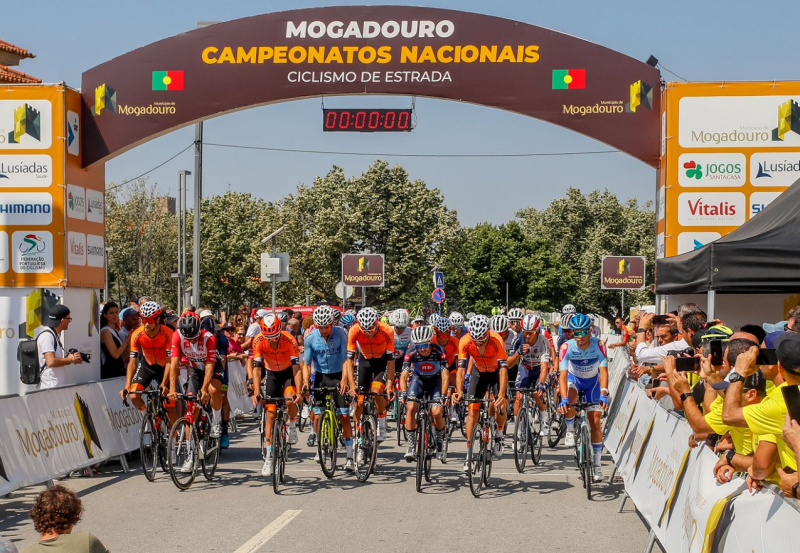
(367, 318)
(515, 314)
(323, 315)
(569, 309)
(150, 309)
(432, 318)
(443, 325)
(478, 326)
(399, 318)
(531, 322)
(498, 323)
(422, 334)
(457, 319)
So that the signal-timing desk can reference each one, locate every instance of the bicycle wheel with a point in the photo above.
(449, 428)
(148, 447)
(183, 452)
(367, 448)
(278, 444)
(210, 456)
(326, 444)
(521, 439)
(421, 451)
(476, 457)
(587, 460)
(162, 434)
(401, 423)
(430, 449)
(262, 431)
(535, 427)
(488, 450)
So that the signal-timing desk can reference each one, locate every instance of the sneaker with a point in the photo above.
(316, 457)
(597, 473)
(466, 467)
(224, 442)
(569, 439)
(440, 450)
(497, 451)
(304, 412)
(381, 433)
(348, 465)
(312, 440)
(188, 466)
(360, 457)
(266, 470)
(409, 456)
(292, 434)
(216, 430)
(454, 416)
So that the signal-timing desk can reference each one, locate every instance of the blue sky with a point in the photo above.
(701, 41)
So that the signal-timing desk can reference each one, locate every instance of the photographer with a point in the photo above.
(52, 358)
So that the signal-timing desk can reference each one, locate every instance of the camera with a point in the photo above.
(85, 357)
(681, 353)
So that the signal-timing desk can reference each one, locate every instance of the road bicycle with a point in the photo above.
(527, 428)
(366, 437)
(330, 432)
(557, 427)
(280, 439)
(479, 453)
(448, 410)
(399, 414)
(425, 446)
(584, 454)
(154, 432)
(190, 441)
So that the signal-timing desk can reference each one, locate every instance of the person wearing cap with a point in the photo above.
(130, 322)
(254, 329)
(52, 358)
(766, 420)
(792, 324)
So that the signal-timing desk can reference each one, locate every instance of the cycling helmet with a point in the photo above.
(479, 326)
(323, 315)
(565, 320)
(385, 320)
(352, 312)
(399, 318)
(457, 319)
(422, 335)
(443, 325)
(337, 315)
(498, 323)
(348, 320)
(580, 322)
(432, 318)
(470, 315)
(531, 322)
(418, 319)
(189, 325)
(150, 309)
(367, 318)
(515, 314)
(283, 316)
(569, 308)
(270, 325)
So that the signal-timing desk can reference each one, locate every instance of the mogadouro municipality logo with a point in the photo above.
(27, 121)
(788, 120)
(105, 97)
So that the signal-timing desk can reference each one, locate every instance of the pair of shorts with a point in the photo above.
(323, 380)
(482, 382)
(369, 371)
(146, 373)
(425, 386)
(198, 376)
(528, 378)
(590, 388)
(274, 383)
(513, 373)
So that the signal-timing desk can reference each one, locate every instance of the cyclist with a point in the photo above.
(323, 363)
(533, 351)
(425, 374)
(487, 352)
(276, 350)
(584, 367)
(458, 324)
(222, 417)
(398, 319)
(347, 320)
(564, 331)
(150, 351)
(199, 348)
(443, 338)
(373, 342)
(515, 315)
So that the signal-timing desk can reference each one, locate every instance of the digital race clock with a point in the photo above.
(367, 120)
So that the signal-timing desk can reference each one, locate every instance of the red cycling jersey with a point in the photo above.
(199, 352)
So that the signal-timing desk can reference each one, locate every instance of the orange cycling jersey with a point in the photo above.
(156, 349)
(372, 347)
(450, 349)
(493, 356)
(276, 359)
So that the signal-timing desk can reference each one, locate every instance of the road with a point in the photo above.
(543, 509)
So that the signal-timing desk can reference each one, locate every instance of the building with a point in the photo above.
(11, 55)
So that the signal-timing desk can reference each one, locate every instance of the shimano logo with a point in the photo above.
(18, 208)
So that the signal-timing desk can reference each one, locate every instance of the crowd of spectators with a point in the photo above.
(730, 386)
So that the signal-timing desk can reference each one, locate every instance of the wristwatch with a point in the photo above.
(794, 489)
(685, 396)
(735, 377)
(729, 456)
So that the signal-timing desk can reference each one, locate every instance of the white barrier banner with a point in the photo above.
(628, 403)
(125, 421)
(13, 473)
(240, 402)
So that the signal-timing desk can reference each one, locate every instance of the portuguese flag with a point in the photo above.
(167, 80)
(569, 79)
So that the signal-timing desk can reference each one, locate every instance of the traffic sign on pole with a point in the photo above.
(438, 295)
(438, 279)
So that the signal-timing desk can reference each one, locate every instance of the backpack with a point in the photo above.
(28, 356)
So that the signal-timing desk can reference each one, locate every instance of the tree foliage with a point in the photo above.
(584, 228)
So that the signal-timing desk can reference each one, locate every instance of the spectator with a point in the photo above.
(254, 329)
(756, 331)
(113, 349)
(55, 514)
(235, 337)
(777, 329)
(622, 329)
(171, 320)
(669, 341)
(790, 482)
(130, 322)
(51, 352)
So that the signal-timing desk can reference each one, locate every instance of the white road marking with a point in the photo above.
(269, 531)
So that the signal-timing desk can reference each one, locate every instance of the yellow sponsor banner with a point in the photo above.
(729, 149)
(32, 149)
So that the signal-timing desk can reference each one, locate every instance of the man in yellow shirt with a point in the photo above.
(766, 419)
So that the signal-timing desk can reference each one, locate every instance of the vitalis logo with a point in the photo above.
(87, 426)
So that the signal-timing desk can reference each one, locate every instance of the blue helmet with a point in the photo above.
(347, 320)
(580, 322)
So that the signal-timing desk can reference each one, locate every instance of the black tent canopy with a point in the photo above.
(761, 256)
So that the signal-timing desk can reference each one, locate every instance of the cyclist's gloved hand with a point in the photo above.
(541, 387)
(603, 399)
(563, 403)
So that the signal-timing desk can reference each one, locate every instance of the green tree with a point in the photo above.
(143, 235)
(487, 257)
(584, 228)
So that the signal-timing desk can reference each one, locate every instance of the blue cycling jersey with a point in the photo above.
(401, 342)
(425, 365)
(326, 356)
(583, 363)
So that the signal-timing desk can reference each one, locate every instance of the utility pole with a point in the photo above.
(181, 274)
(198, 197)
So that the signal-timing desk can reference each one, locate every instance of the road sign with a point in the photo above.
(277, 266)
(343, 291)
(438, 279)
(438, 295)
(362, 269)
(622, 273)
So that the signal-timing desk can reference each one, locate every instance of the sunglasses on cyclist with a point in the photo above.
(580, 333)
(150, 320)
